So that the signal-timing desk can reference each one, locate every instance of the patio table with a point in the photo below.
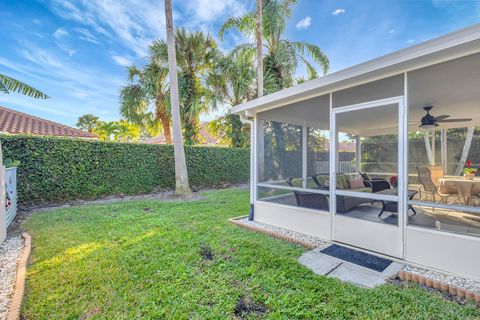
(464, 187)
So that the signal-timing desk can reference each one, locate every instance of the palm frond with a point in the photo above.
(245, 24)
(314, 52)
(312, 72)
(8, 84)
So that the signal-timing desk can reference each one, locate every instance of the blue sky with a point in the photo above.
(77, 51)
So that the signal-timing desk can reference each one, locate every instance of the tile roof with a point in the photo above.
(206, 138)
(15, 122)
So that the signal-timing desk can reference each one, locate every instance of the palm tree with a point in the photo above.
(283, 56)
(107, 131)
(182, 186)
(88, 122)
(8, 84)
(232, 81)
(197, 54)
(147, 87)
(127, 131)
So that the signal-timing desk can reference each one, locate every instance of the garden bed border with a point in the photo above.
(19, 289)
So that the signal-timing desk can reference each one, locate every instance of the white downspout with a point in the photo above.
(250, 122)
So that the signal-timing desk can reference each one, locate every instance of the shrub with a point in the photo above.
(56, 169)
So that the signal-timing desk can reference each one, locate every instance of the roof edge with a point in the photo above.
(431, 46)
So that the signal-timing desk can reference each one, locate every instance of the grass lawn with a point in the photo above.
(172, 260)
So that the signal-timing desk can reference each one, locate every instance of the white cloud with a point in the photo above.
(71, 53)
(133, 23)
(60, 33)
(122, 61)
(86, 35)
(338, 12)
(304, 23)
(391, 31)
(409, 41)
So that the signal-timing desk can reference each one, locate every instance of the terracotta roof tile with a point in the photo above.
(15, 122)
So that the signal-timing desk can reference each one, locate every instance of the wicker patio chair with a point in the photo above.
(429, 187)
(311, 200)
(307, 199)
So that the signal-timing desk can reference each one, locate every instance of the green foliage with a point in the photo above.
(184, 260)
(63, 169)
(118, 131)
(8, 84)
(9, 163)
(88, 122)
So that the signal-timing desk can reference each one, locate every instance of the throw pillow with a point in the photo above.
(357, 183)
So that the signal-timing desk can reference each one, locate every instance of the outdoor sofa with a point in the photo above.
(344, 203)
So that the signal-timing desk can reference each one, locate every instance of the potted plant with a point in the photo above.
(394, 182)
(469, 172)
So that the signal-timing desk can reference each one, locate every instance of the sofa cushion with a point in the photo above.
(298, 183)
(323, 180)
(342, 181)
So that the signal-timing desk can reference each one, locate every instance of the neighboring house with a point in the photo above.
(418, 213)
(206, 138)
(15, 122)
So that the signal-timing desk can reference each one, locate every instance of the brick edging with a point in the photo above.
(16, 303)
(272, 233)
(440, 285)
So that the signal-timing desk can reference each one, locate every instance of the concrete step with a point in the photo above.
(326, 265)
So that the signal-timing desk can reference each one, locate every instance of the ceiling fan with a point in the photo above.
(429, 121)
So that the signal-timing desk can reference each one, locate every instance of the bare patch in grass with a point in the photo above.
(246, 307)
(206, 252)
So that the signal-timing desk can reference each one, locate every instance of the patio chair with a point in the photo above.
(437, 173)
(429, 187)
(311, 200)
(308, 199)
(377, 184)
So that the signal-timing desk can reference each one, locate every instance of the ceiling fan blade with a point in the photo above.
(442, 117)
(455, 120)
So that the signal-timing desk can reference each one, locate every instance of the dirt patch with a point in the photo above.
(206, 252)
(245, 307)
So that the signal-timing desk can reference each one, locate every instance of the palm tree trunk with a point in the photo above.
(166, 129)
(259, 49)
(181, 175)
(164, 117)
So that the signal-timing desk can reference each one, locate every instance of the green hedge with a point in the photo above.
(62, 169)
